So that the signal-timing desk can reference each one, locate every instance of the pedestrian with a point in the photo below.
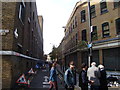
(93, 74)
(53, 77)
(103, 78)
(50, 65)
(69, 77)
(83, 79)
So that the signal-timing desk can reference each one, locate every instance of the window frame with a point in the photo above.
(75, 21)
(116, 4)
(92, 11)
(83, 16)
(94, 33)
(103, 7)
(105, 28)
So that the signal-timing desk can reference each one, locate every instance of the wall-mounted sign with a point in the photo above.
(15, 33)
(4, 32)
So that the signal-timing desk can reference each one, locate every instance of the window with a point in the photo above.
(33, 15)
(116, 3)
(83, 18)
(103, 7)
(92, 11)
(105, 29)
(84, 35)
(94, 33)
(22, 11)
(75, 21)
(117, 26)
(73, 24)
(76, 38)
(71, 29)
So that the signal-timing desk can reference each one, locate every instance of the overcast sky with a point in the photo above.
(55, 14)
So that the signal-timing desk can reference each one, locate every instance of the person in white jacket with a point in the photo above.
(93, 74)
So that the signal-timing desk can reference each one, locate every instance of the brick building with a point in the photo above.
(22, 40)
(105, 19)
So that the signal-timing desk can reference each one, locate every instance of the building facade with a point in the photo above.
(105, 34)
(22, 40)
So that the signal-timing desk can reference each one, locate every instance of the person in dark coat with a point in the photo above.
(83, 79)
(103, 79)
(69, 77)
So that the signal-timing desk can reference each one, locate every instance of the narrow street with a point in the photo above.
(39, 32)
(41, 81)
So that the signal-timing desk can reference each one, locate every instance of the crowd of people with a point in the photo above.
(94, 76)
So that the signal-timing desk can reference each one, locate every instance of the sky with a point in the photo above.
(55, 14)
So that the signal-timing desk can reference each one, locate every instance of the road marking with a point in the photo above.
(46, 82)
(46, 77)
(46, 86)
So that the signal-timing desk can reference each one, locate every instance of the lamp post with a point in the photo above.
(90, 36)
(63, 53)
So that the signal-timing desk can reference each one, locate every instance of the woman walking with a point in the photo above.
(53, 77)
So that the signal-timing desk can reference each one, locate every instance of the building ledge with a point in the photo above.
(13, 53)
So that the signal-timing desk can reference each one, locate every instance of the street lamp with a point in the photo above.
(63, 53)
(90, 36)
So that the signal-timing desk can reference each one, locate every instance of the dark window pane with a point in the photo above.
(116, 4)
(84, 35)
(94, 33)
(83, 18)
(118, 26)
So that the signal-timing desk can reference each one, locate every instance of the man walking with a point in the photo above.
(93, 74)
(69, 77)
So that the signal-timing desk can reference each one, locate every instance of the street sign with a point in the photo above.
(89, 45)
(31, 71)
(22, 79)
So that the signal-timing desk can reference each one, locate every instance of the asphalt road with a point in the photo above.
(41, 79)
